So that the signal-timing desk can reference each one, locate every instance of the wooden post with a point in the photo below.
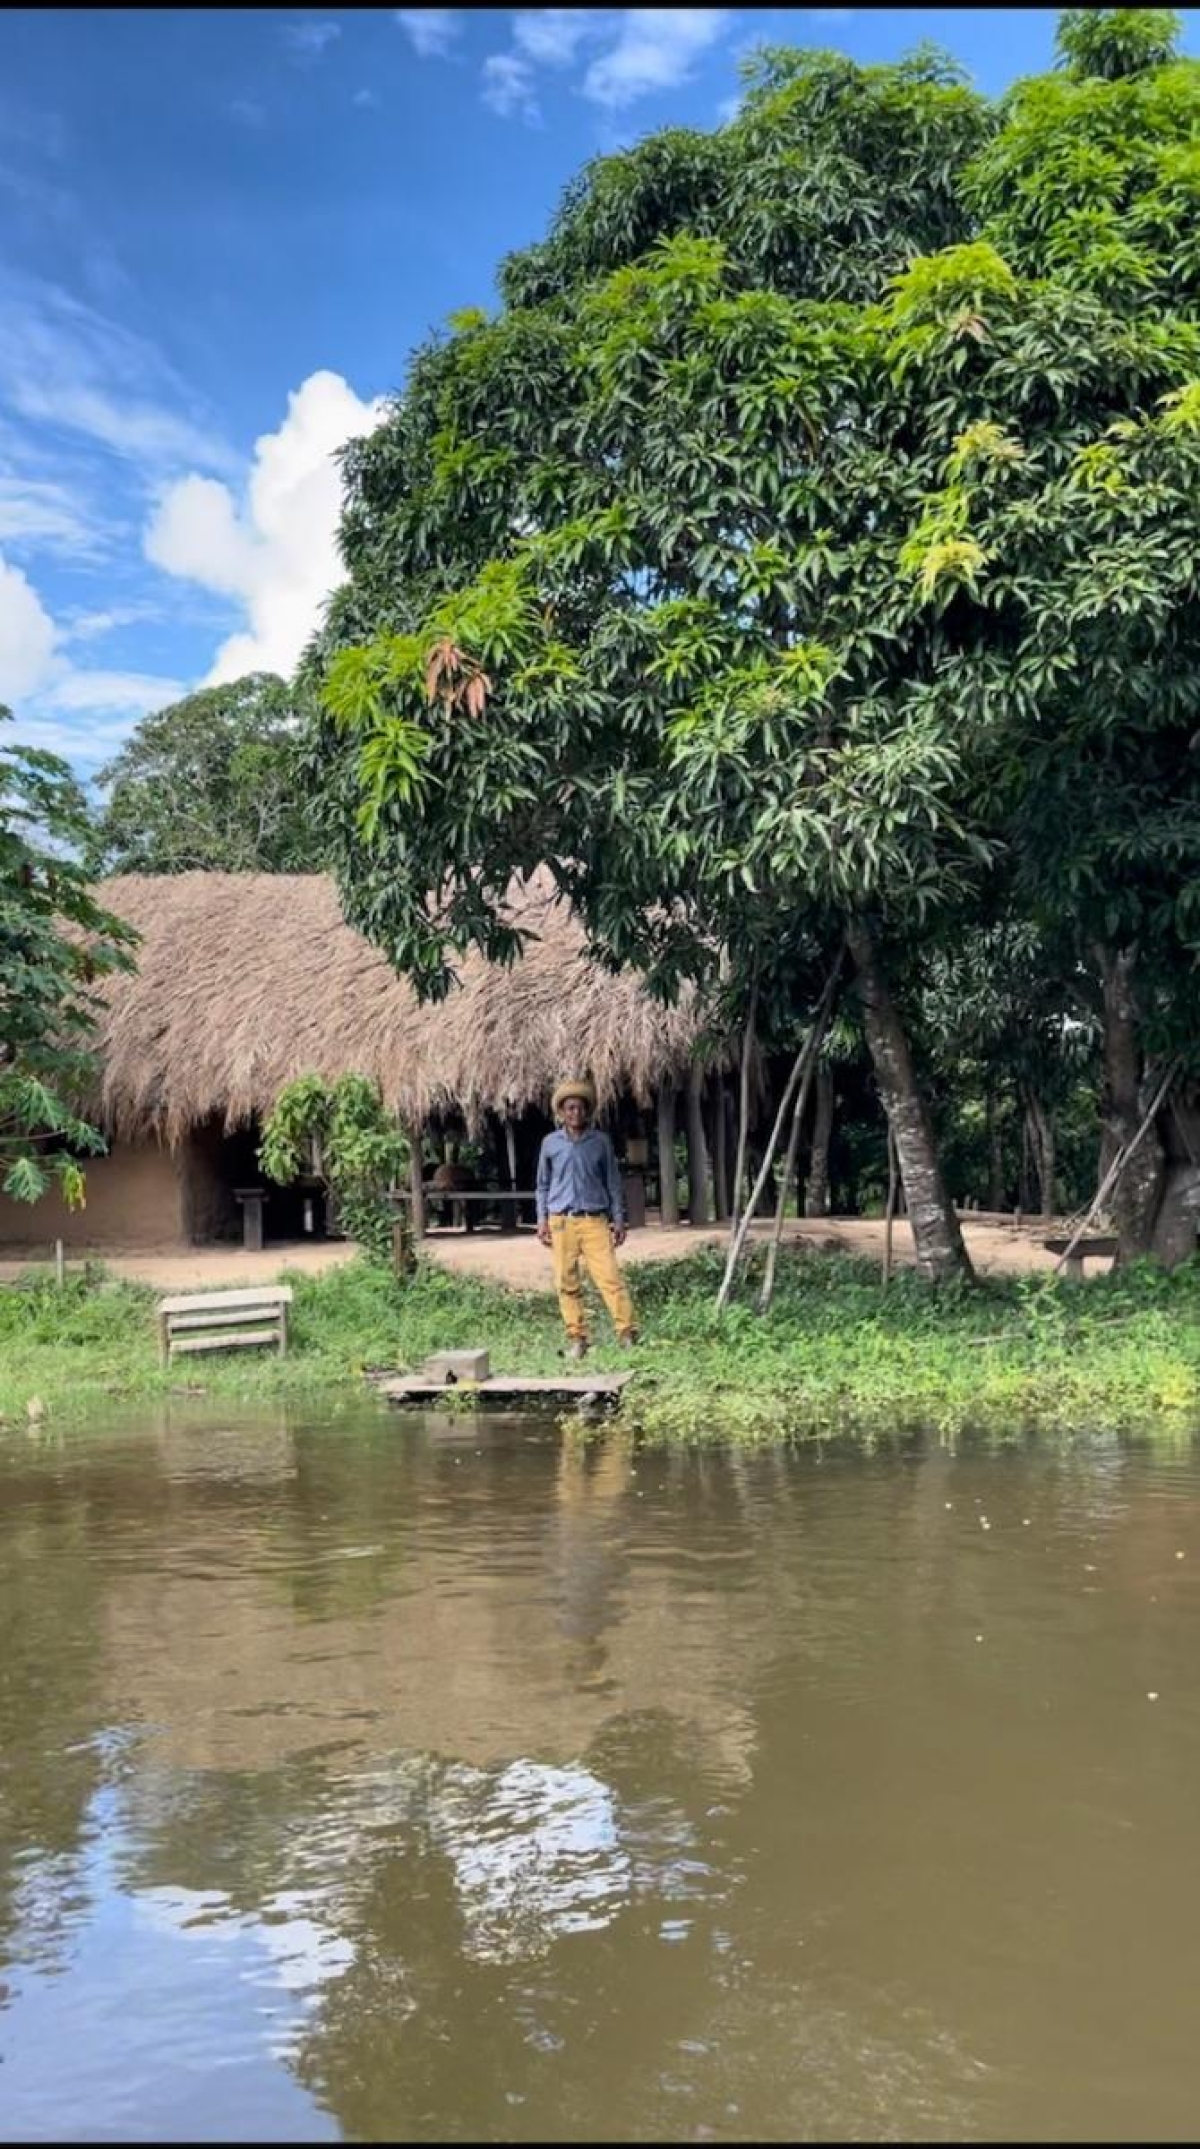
(251, 1199)
(668, 1181)
(59, 1264)
(416, 1181)
(699, 1211)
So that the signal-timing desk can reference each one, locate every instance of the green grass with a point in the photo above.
(836, 1353)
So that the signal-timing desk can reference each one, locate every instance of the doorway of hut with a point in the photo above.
(228, 1199)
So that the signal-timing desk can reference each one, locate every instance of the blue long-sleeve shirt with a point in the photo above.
(579, 1172)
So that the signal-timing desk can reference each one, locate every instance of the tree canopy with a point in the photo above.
(805, 554)
(56, 943)
(210, 782)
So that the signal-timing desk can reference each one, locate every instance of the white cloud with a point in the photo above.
(508, 86)
(26, 636)
(46, 690)
(431, 31)
(275, 550)
(71, 368)
(309, 39)
(196, 533)
(247, 111)
(632, 52)
(655, 49)
(366, 100)
(551, 36)
(41, 512)
(89, 626)
(114, 693)
(85, 748)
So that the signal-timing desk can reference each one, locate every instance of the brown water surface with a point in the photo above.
(369, 1778)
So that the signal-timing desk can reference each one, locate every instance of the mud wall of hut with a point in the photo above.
(134, 1198)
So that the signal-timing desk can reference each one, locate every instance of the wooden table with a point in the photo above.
(402, 1199)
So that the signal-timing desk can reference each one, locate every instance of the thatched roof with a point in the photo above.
(245, 980)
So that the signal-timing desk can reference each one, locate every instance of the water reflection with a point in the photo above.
(365, 1779)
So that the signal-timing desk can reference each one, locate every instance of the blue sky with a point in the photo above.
(221, 234)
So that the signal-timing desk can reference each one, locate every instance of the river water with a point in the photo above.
(372, 1777)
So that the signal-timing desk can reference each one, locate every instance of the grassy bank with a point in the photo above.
(836, 1351)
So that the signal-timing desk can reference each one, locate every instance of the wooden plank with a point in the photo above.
(264, 1295)
(400, 1388)
(183, 1323)
(232, 1341)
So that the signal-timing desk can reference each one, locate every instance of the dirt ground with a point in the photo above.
(996, 1245)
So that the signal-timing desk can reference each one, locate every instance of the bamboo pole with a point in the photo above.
(889, 1214)
(806, 1054)
(789, 1167)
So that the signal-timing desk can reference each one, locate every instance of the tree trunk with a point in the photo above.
(1039, 1136)
(720, 1152)
(816, 1193)
(668, 1183)
(697, 1149)
(936, 1234)
(995, 1154)
(1138, 1191)
(1025, 1168)
(1178, 1217)
(740, 1189)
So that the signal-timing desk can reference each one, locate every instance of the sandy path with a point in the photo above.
(996, 1247)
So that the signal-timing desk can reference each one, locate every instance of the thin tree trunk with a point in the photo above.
(697, 1149)
(720, 1152)
(668, 1181)
(743, 1132)
(1043, 1146)
(816, 1197)
(936, 1233)
(1025, 1171)
(1138, 1190)
(995, 1153)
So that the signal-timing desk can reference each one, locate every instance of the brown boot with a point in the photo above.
(627, 1338)
(577, 1347)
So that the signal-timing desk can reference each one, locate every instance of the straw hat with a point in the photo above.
(573, 1089)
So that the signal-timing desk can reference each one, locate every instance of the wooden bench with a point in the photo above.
(1080, 1253)
(224, 1320)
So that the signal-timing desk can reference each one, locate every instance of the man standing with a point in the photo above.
(581, 1215)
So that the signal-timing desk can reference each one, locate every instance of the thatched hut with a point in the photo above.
(245, 981)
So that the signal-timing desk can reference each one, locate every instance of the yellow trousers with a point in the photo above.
(579, 1242)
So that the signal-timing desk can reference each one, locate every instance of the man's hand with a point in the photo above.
(543, 1233)
(618, 1234)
